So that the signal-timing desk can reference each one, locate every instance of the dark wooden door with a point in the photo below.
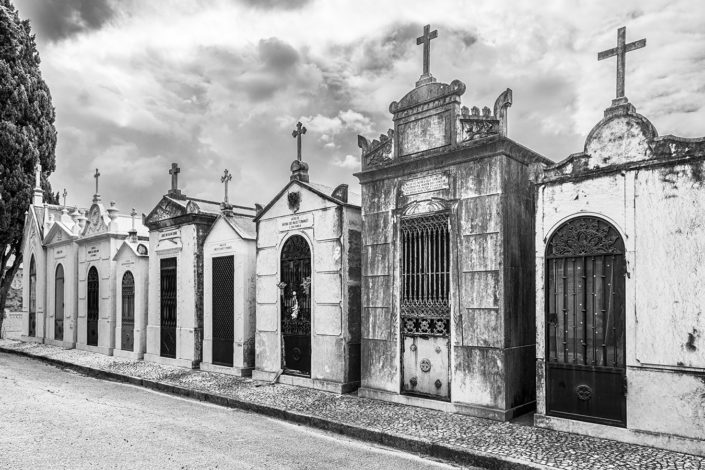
(585, 323)
(223, 309)
(127, 340)
(93, 307)
(59, 303)
(168, 307)
(296, 305)
(425, 305)
(32, 298)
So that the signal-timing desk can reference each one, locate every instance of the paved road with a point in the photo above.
(50, 418)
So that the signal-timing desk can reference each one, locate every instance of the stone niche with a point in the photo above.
(229, 252)
(308, 288)
(645, 194)
(447, 258)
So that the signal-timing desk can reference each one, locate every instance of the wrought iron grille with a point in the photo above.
(59, 303)
(128, 298)
(32, 298)
(296, 286)
(93, 285)
(585, 270)
(425, 275)
(223, 297)
(168, 292)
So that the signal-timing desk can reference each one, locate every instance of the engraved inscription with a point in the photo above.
(295, 222)
(168, 234)
(424, 185)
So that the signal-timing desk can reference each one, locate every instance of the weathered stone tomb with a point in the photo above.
(308, 285)
(447, 264)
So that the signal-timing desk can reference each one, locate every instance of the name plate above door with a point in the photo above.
(295, 222)
(425, 184)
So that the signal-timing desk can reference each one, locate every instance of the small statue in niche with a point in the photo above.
(294, 306)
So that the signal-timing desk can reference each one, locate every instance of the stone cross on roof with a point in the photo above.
(621, 52)
(297, 133)
(96, 196)
(226, 178)
(38, 175)
(64, 194)
(174, 172)
(425, 39)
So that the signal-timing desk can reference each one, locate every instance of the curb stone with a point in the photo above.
(436, 450)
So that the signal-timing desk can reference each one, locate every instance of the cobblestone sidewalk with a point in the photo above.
(460, 438)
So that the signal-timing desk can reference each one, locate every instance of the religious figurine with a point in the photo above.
(294, 307)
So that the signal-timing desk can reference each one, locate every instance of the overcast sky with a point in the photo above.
(217, 84)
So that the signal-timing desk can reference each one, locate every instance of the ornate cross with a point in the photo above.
(38, 175)
(64, 194)
(226, 178)
(425, 39)
(133, 213)
(298, 132)
(174, 172)
(96, 176)
(621, 52)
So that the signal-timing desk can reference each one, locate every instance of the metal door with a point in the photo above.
(168, 307)
(59, 303)
(425, 305)
(296, 305)
(32, 298)
(127, 341)
(93, 301)
(223, 309)
(585, 323)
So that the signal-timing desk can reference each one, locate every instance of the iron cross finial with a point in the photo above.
(64, 194)
(425, 39)
(96, 176)
(174, 172)
(226, 178)
(297, 133)
(621, 52)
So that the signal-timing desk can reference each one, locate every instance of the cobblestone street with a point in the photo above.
(515, 443)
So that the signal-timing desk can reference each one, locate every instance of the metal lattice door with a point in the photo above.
(223, 310)
(167, 328)
(425, 305)
(128, 312)
(296, 305)
(32, 298)
(585, 329)
(59, 303)
(93, 306)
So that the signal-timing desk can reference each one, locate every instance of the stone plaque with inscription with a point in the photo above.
(425, 184)
(295, 222)
(93, 253)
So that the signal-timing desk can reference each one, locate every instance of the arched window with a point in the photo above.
(32, 298)
(59, 303)
(128, 311)
(585, 322)
(93, 306)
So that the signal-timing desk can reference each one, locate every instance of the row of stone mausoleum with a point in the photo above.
(473, 275)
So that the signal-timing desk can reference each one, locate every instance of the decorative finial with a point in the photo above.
(226, 178)
(96, 196)
(174, 172)
(133, 232)
(425, 39)
(64, 194)
(621, 52)
(297, 133)
(38, 175)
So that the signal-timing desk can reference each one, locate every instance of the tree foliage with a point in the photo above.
(27, 135)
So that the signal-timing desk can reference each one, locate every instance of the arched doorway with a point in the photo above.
(93, 307)
(295, 287)
(59, 303)
(585, 322)
(32, 297)
(127, 341)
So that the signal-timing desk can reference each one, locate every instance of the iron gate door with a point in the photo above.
(167, 328)
(223, 309)
(296, 305)
(59, 303)
(127, 339)
(93, 307)
(32, 298)
(585, 323)
(425, 305)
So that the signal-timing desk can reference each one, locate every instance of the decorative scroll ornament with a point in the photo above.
(585, 236)
(378, 152)
(584, 392)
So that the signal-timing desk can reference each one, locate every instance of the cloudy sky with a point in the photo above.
(215, 84)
